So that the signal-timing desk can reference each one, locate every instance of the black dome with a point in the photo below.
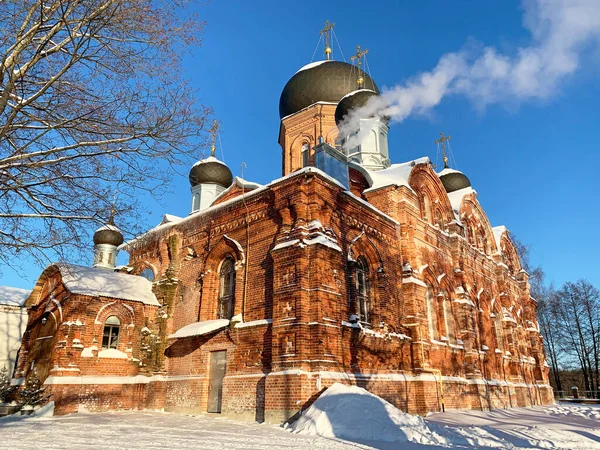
(108, 234)
(354, 100)
(323, 81)
(210, 170)
(453, 180)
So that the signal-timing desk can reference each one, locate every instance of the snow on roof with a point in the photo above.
(350, 94)
(258, 190)
(108, 227)
(239, 182)
(105, 283)
(209, 159)
(457, 196)
(448, 170)
(168, 218)
(312, 64)
(498, 232)
(395, 175)
(200, 328)
(12, 296)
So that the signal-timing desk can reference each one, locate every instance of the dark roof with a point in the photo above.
(108, 234)
(210, 170)
(324, 81)
(453, 180)
(352, 101)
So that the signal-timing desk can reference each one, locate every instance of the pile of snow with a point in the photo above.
(352, 413)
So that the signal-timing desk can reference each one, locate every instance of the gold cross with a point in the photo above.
(325, 31)
(442, 140)
(358, 56)
(213, 131)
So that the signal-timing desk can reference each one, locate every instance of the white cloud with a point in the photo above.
(561, 31)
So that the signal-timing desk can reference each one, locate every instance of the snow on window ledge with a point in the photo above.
(112, 353)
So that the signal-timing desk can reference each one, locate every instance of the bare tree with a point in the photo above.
(92, 102)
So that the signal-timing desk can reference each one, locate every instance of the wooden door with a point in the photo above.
(218, 361)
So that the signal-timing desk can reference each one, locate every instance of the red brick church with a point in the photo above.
(349, 268)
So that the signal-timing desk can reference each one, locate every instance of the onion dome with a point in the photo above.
(354, 100)
(453, 180)
(108, 234)
(322, 81)
(210, 170)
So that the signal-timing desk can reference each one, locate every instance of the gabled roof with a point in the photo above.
(106, 283)
(12, 296)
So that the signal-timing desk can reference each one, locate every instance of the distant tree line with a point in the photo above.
(569, 320)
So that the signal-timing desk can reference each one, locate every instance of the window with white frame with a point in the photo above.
(110, 337)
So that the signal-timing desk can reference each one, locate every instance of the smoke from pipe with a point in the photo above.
(561, 31)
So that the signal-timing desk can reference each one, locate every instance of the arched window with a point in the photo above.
(449, 319)
(431, 314)
(498, 329)
(148, 274)
(226, 288)
(304, 151)
(363, 289)
(110, 337)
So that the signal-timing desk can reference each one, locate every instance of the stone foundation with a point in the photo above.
(277, 397)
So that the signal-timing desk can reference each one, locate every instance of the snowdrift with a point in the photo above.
(352, 413)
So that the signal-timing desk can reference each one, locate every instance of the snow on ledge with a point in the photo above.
(200, 328)
(112, 353)
(13, 296)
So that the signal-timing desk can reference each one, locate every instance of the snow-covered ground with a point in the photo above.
(344, 418)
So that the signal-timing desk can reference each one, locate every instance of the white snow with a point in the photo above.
(105, 283)
(456, 198)
(209, 159)
(395, 175)
(111, 353)
(498, 232)
(448, 170)
(352, 413)
(200, 328)
(312, 64)
(108, 227)
(550, 427)
(12, 296)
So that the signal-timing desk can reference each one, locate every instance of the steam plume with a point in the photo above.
(561, 31)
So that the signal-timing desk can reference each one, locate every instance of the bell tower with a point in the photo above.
(308, 103)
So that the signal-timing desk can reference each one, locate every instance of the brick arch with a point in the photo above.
(364, 245)
(210, 279)
(295, 149)
(424, 181)
(477, 222)
(509, 252)
(124, 313)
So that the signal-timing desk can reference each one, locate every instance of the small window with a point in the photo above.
(304, 155)
(110, 338)
(226, 288)
(363, 289)
(148, 274)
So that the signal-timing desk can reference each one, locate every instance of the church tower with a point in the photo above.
(307, 106)
(106, 240)
(209, 177)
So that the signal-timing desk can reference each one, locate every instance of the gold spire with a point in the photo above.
(442, 141)
(358, 56)
(213, 131)
(326, 31)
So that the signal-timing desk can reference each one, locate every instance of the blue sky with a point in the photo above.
(533, 162)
